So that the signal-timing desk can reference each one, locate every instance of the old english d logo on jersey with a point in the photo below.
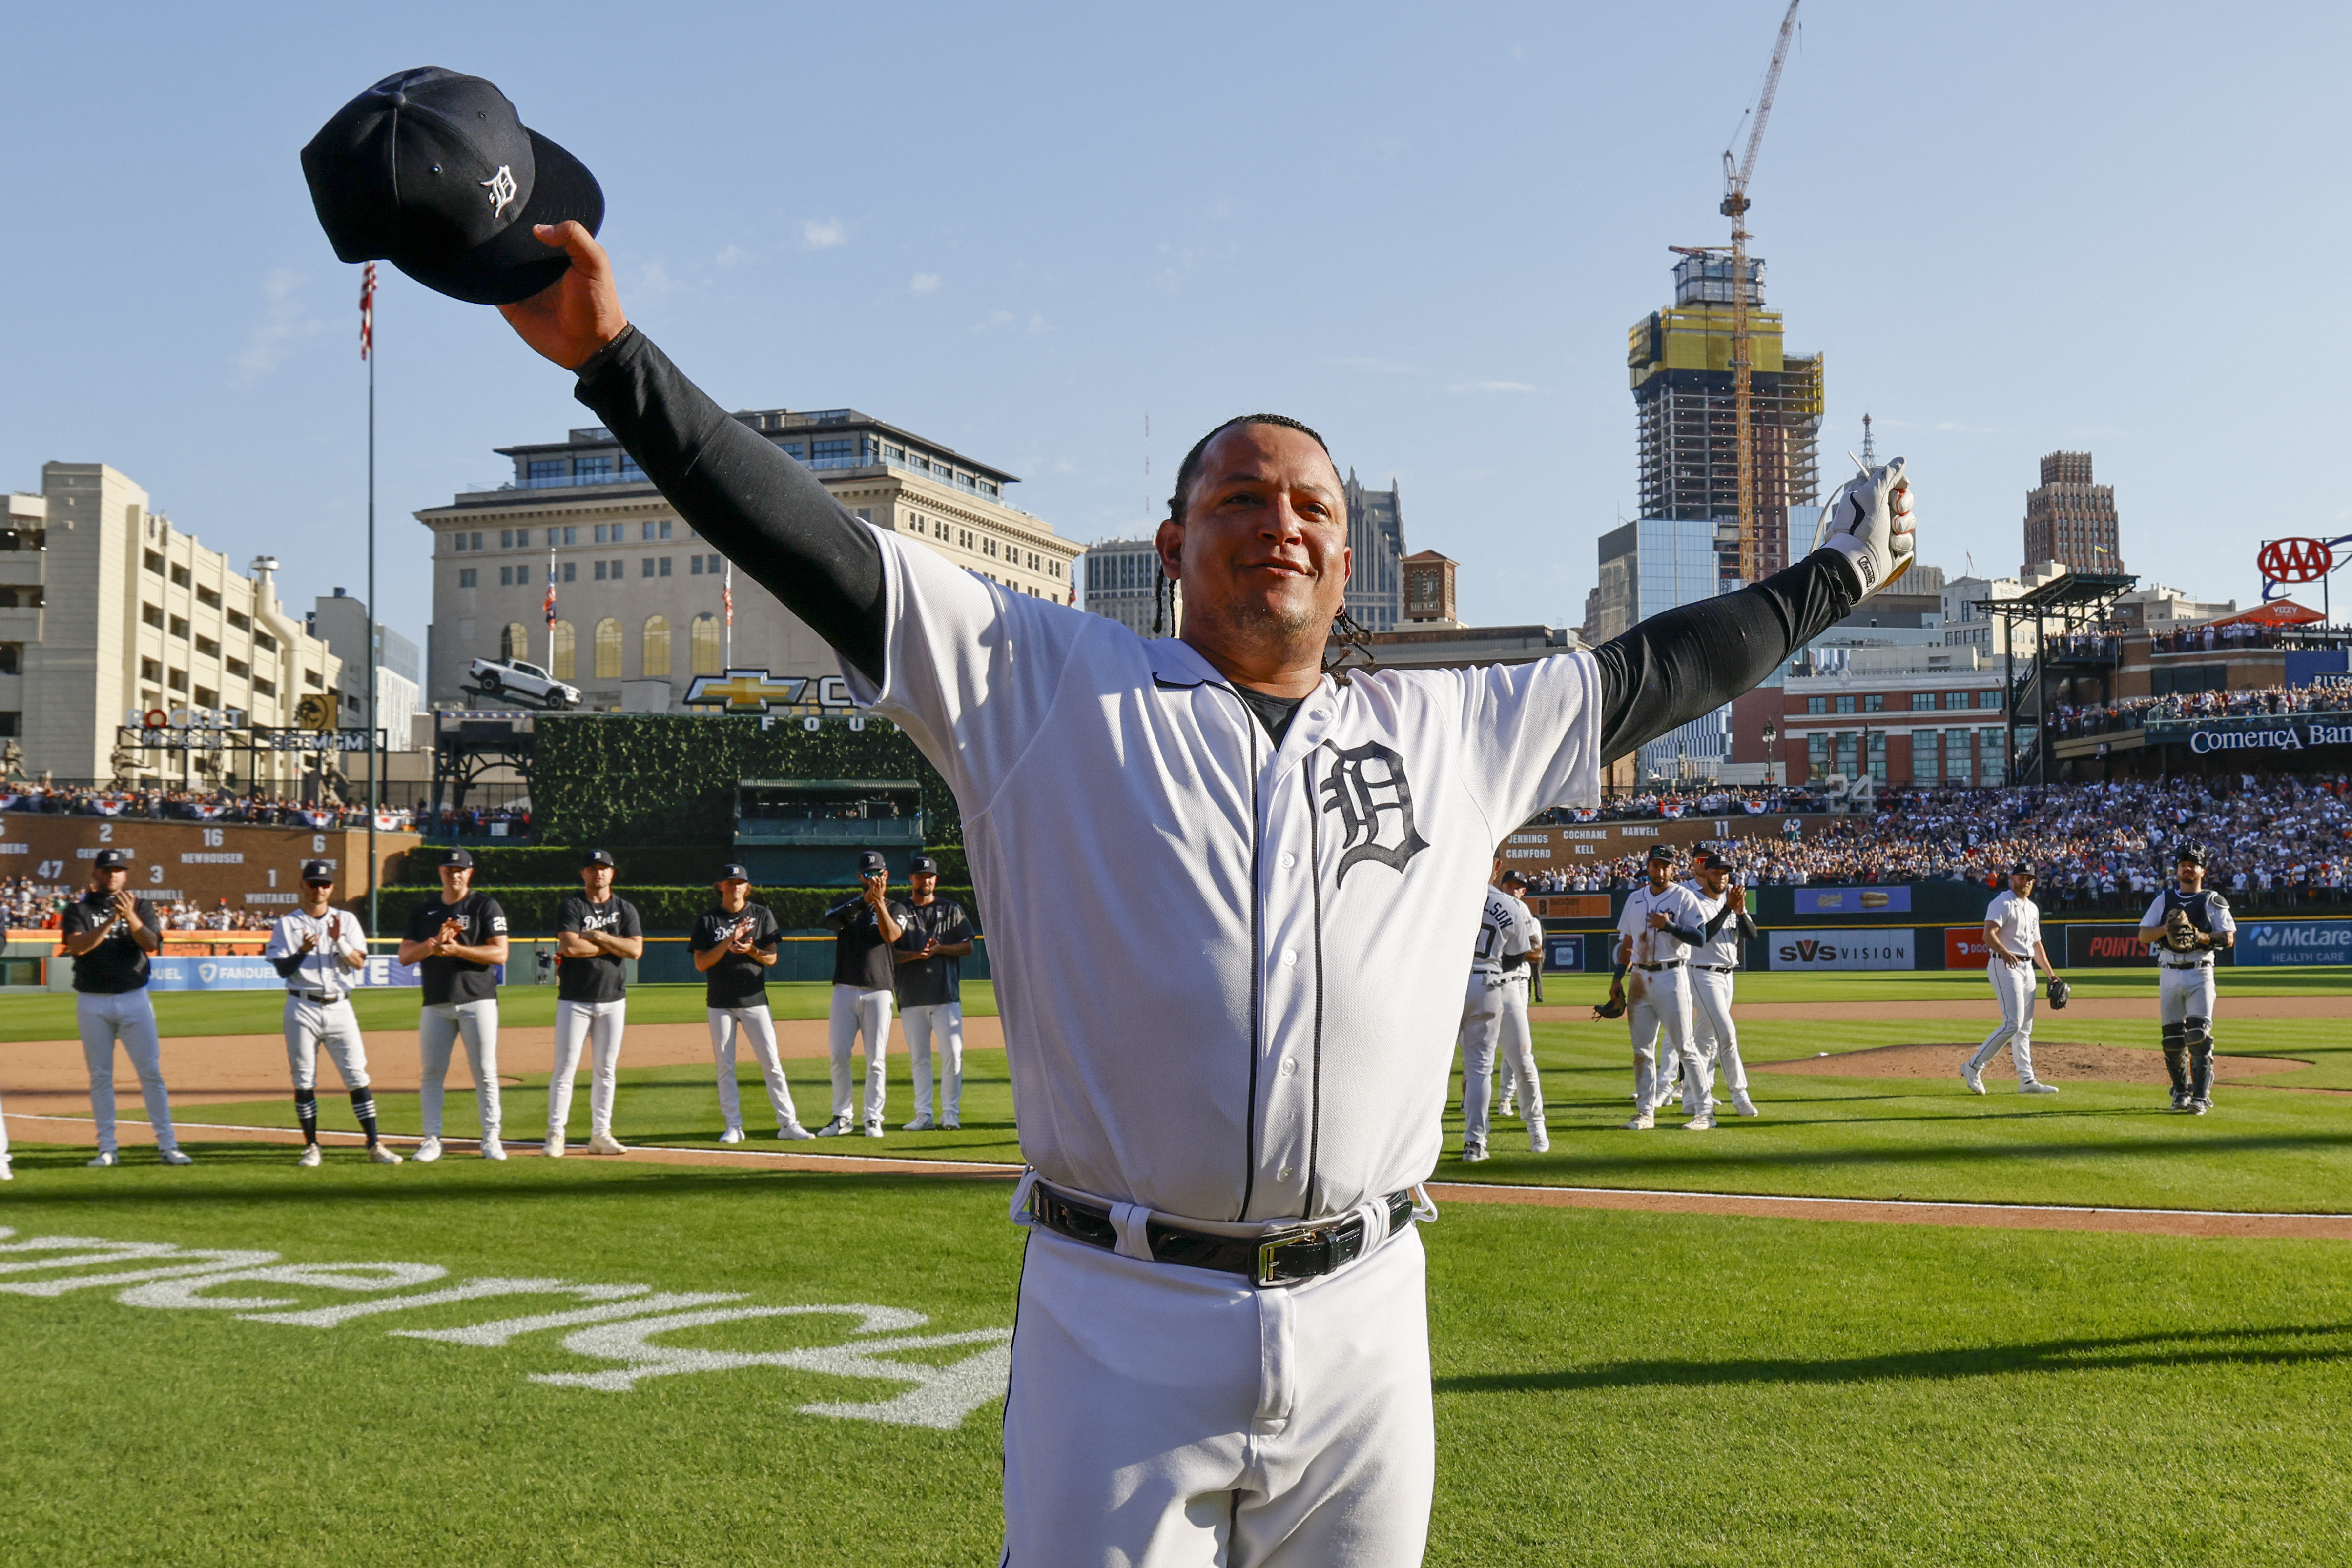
(1365, 787)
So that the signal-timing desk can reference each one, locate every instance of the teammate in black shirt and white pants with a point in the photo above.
(456, 941)
(316, 949)
(734, 945)
(595, 933)
(938, 933)
(866, 929)
(110, 932)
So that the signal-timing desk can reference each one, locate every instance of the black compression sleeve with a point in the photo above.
(1673, 667)
(1715, 924)
(763, 511)
(286, 966)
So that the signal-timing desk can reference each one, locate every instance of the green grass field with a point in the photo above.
(1611, 1387)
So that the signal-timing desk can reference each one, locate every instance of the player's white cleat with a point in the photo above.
(1539, 1140)
(2037, 1088)
(175, 1158)
(1505, 1108)
(1473, 1153)
(1968, 1076)
(5, 1173)
(554, 1147)
(380, 1155)
(493, 1150)
(104, 1162)
(921, 1123)
(604, 1144)
(1743, 1104)
(950, 1125)
(873, 1129)
(731, 1136)
(1641, 1123)
(793, 1133)
(1702, 1123)
(427, 1151)
(840, 1126)
(2199, 1107)
(2181, 1099)
(310, 1157)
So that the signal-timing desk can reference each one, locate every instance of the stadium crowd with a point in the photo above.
(2133, 712)
(30, 906)
(2274, 841)
(252, 807)
(2245, 634)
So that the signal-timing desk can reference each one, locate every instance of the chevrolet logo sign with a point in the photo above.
(745, 691)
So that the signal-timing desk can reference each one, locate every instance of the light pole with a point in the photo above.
(1771, 734)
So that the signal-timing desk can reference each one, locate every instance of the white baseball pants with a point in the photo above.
(1516, 1050)
(130, 1017)
(595, 1026)
(1711, 1026)
(438, 1028)
(4, 1135)
(857, 1012)
(1662, 1005)
(1481, 1031)
(2012, 985)
(946, 1020)
(1162, 1416)
(2184, 992)
(309, 1025)
(757, 1025)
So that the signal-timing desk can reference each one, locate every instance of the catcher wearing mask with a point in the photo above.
(2187, 925)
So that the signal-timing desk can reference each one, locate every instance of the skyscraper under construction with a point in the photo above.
(1681, 365)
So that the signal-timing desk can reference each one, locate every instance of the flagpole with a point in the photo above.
(374, 720)
(727, 598)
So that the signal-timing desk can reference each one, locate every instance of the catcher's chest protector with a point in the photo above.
(2199, 906)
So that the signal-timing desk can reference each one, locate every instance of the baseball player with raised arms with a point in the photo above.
(457, 941)
(596, 933)
(1526, 980)
(1661, 920)
(2188, 926)
(2012, 927)
(1713, 963)
(110, 932)
(316, 949)
(867, 929)
(1498, 961)
(735, 945)
(1229, 1090)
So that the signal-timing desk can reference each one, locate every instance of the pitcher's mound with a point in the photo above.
(2054, 1060)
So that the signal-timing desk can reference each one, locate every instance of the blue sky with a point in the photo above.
(1020, 230)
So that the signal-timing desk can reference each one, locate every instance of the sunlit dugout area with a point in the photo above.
(1611, 1387)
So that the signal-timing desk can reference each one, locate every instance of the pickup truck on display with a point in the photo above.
(517, 678)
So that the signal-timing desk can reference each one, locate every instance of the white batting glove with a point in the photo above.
(1869, 522)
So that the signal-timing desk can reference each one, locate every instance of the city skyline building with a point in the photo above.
(342, 624)
(1375, 596)
(642, 599)
(1119, 579)
(2072, 520)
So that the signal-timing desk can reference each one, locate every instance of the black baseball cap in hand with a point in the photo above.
(434, 172)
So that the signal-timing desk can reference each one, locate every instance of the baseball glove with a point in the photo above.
(2179, 932)
(2059, 991)
(1614, 1008)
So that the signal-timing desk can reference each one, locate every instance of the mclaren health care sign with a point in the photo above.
(2277, 942)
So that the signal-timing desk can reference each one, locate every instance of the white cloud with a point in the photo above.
(654, 281)
(824, 236)
(924, 283)
(733, 255)
(1005, 320)
(284, 321)
(1493, 387)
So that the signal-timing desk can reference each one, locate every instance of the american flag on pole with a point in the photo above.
(726, 593)
(367, 310)
(551, 600)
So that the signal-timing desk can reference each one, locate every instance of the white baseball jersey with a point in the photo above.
(2016, 922)
(1272, 936)
(1506, 929)
(2208, 911)
(1679, 908)
(318, 971)
(1722, 949)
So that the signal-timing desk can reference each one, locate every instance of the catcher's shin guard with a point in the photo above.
(2175, 1056)
(2200, 1058)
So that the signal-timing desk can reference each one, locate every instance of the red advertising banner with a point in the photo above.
(1964, 948)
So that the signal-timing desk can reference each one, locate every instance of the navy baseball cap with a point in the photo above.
(872, 861)
(595, 857)
(435, 172)
(2021, 869)
(1513, 879)
(732, 872)
(923, 865)
(2189, 855)
(1661, 853)
(318, 871)
(1715, 858)
(112, 860)
(462, 860)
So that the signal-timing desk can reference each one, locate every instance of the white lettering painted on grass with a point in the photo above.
(620, 1328)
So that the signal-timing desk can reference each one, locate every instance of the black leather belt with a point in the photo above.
(1676, 964)
(1283, 1257)
(321, 997)
(2201, 964)
(1716, 968)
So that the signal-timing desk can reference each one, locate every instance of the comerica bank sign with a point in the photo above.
(2269, 732)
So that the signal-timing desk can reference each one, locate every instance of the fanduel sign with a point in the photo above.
(2282, 941)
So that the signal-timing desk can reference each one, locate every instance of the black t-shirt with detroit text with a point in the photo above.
(860, 956)
(118, 964)
(737, 980)
(600, 978)
(935, 981)
(450, 980)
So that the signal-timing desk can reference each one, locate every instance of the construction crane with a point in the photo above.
(1735, 208)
